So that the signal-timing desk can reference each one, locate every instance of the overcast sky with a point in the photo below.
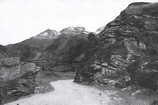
(21, 19)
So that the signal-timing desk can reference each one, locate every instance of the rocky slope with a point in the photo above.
(127, 49)
(17, 78)
(19, 74)
(42, 40)
(67, 49)
(32, 48)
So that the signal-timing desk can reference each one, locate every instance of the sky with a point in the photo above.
(21, 19)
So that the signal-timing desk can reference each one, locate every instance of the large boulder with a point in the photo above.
(129, 46)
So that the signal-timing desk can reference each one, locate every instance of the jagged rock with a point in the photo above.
(128, 45)
(17, 78)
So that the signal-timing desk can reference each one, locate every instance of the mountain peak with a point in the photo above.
(47, 34)
(73, 30)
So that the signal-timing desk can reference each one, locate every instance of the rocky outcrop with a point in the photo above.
(17, 78)
(128, 47)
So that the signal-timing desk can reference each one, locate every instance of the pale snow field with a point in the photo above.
(67, 93)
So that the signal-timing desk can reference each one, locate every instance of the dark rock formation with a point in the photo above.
(17, 78)
(66, 50)
(128, 47)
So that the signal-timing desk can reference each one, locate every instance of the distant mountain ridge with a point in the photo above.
(45, 38)
(33, 47)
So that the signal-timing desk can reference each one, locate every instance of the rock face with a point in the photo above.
(17, 78)
(128, 47)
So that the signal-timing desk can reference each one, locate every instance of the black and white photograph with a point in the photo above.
(78, 52)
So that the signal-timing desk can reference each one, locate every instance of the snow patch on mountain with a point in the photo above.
(47, 34)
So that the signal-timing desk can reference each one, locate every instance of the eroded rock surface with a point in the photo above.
(128, 49)
(17, 78)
